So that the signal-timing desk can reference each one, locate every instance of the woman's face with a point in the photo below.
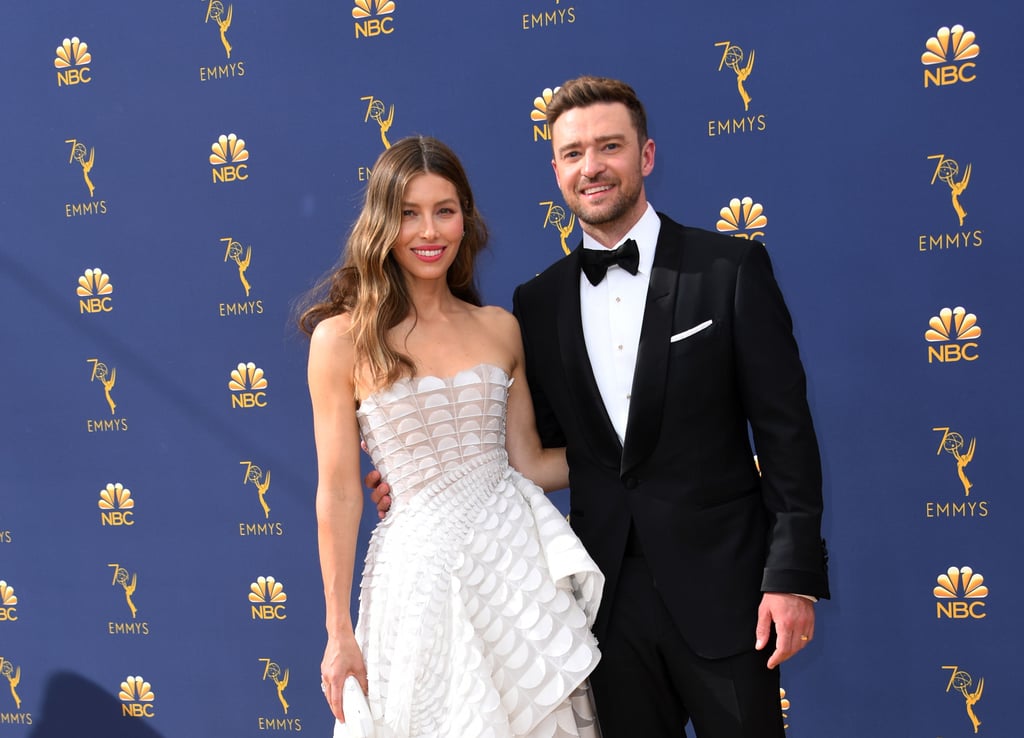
(431, 228)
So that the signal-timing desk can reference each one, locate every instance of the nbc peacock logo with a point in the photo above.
(228, 158)
(373, 17)
(8, 603)
(267, 598)
(960, 593)
(72, 62)
(947, 57)
(954, 330)
(539, 114)
(742, 218)
(137, 697)
(248, 385)
(94, 291)
(117, 506)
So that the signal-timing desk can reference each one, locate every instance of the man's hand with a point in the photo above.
(794, 624)
(380, 492)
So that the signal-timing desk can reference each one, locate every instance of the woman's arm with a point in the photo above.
(339, 500)
(545, 467)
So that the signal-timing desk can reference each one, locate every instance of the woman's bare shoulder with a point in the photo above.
(497, 318)
(331, 345)
(333, 329)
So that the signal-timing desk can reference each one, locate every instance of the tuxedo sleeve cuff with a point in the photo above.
(792, 581)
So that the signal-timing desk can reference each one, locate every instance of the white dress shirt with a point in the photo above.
(613, 311)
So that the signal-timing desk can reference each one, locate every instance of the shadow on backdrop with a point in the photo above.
(74, 706)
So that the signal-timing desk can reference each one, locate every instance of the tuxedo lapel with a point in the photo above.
(595, 425)
(650, 377)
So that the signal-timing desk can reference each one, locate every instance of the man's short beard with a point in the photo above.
(620, 208)
(626, 202)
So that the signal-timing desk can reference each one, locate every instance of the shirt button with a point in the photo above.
(618, 299)
(620, 347)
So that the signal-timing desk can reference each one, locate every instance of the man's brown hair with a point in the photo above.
(584, 91)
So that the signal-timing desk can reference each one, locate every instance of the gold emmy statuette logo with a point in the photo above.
(742, 218)
(376, 21)
(957, 586)
(71, 60)
(272, 671)
(248, 383)
(267, 597)
(947, 169)
(539, 114)
(953, 325)
(121, 577)
(946, 59)
(228, 154)
(94, 290)
(732, 57)
(555, 216)
(116, 505)
(375, 110)
(107, 377)
(261, 481)
(78, 151)
(13, 675)
(8, 602)
(233, 251)
(137, 697)
(215, 12)
(953, 444)
(784, 703)
(961, 681)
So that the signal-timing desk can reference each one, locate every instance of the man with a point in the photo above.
(650, 371)
(650, 375)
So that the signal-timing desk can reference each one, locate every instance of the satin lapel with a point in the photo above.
(646, 405)
(594, 422)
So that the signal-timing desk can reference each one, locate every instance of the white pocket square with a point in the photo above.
(690, 331)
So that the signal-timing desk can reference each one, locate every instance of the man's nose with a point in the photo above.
(592, 163)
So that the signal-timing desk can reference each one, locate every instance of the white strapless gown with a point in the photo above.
(476, 598)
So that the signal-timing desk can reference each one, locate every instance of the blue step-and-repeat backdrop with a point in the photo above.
(175, 174)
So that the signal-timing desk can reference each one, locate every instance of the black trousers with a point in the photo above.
(650, 683)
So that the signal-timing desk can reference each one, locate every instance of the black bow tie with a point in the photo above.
(596, 262)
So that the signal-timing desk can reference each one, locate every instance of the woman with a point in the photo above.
(476, 597)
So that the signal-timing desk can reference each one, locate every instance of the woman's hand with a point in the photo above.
(341, 658)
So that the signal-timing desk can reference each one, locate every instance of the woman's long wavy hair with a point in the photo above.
(369, 284)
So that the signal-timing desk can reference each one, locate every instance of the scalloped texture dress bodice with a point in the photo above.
(476, 598)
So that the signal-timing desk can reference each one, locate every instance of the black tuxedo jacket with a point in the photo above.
(715, 533)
